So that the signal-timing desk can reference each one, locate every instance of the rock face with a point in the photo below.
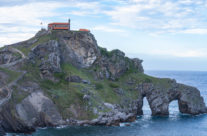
(81, 48)
(38, 110)
(49, 54)
(189, 99)
(7, 55)
(114, 64)
(64, 77)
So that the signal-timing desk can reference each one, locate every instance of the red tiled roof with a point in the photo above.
(58, 23)
(86, 30)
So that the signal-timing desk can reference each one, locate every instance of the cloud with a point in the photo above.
(28, 14)
(184, 53)
(195, 31)
(19, 22)
(14, 37)
(86, 5)
(160, 15)
(85, 8)
(25, 16)
(107, 29)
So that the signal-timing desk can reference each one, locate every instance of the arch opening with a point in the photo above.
(173, 108)
(146, 107)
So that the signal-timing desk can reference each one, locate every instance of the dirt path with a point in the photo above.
(8, 86)
(9, 64)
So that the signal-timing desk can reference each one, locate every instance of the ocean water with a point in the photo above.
(175, 125)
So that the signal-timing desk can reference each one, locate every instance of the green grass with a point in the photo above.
(42, 39)
(64, 95)
(2, 47)
(18, 95)
(69, 70)
(98, 86)
(105, 92)
(113, 85)
(33, 73)
(12, 74)
(18, 55)
(143, 78)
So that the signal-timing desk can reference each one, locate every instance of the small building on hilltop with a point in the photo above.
(85, 30)
(63, 26)
(59, 26)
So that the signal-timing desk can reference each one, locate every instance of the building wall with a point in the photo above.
(50, 27)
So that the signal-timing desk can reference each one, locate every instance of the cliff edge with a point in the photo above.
(64, 78)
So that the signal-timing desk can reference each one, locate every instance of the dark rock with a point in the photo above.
(138, 64)
(86, 81)
(9, 122)
(76, 79)
(119, 91)
(2, 132)
(85, 91)
(86, 97)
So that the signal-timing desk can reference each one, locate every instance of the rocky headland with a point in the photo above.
(64, 78)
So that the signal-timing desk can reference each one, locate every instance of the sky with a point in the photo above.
(166, 34)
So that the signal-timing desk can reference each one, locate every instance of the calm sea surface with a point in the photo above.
(175, 125)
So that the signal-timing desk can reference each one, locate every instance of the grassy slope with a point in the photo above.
(66, 95)
(12, 74)
(26, 49)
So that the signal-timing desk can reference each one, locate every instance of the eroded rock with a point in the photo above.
(114, 64)
(189, 98)
(81, 49)
(49, 54)
(38, 110)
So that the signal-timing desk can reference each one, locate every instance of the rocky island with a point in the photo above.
(64, 78)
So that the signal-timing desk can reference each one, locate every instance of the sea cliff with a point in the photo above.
(64, 78)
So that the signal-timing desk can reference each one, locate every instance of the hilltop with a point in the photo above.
(64, 78)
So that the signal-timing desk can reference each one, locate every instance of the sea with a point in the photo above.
(176, 124)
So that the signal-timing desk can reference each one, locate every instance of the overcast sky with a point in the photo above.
(166, 34)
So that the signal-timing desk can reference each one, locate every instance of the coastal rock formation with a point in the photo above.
(189, 98)
(64, 78)
(113, 64)
(37, 109)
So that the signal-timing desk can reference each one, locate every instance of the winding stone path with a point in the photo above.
(8, 86)
(9, 64)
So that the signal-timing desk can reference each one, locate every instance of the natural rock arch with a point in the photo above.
(189, 99)
(173, 107)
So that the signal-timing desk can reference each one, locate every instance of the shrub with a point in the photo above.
(147, 80)
(113, 85)
(98, 86)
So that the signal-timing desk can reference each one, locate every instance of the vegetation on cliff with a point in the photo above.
(64, 77)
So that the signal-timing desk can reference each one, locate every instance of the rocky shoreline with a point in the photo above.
(64, 78)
